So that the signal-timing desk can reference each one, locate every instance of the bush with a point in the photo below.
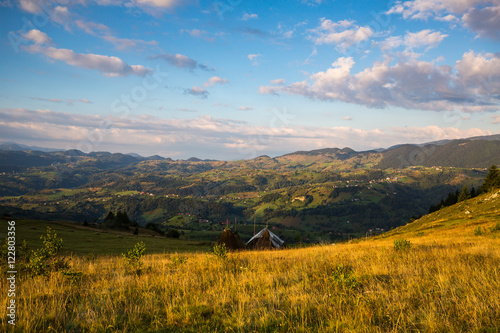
(343, 277)
(43, 260)
(178, 260)
(220, 251)
(402, 245)
(172, 233)
(478, 231)
(133, 257)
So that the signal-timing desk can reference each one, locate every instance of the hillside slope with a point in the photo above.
(458, 153)
(460, 220)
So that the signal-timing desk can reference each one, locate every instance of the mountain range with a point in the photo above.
(475, 152)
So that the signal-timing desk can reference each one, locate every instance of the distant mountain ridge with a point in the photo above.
(475, 152)
(466, 153)
(12, 146)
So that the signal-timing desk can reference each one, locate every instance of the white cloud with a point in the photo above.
(93, 28)
(197, 91)
(485, 21)
(124, 43)
(69, 101)
(422, 38)
(287, 34)
(390, 43)
(247, 17)
(166, 4)
(215, 80)
(62, 16)
(278, 82)
(109, 66)
(30, 6)
(423, 9)
(253, 56)
(412, 84)
(38, 37)
(245, 108)
(182, 61)
(194, 32)
(343, 34)
(495, 119)
(480, 74)
(205, 135)
(480, 16)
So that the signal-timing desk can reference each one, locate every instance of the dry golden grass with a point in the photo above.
(444, 285)
(448, 281)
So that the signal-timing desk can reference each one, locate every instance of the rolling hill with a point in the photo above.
(308, 194)
(475, 217)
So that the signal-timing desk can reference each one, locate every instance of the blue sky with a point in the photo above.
(235, 79)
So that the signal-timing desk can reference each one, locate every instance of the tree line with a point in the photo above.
(491, 182)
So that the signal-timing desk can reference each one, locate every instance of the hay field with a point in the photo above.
(365, 287)
(448, 280)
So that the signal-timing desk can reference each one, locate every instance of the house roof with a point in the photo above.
(275, 240)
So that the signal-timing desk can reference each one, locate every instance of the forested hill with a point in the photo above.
(466, 153)
(306, 195)
(458, 153)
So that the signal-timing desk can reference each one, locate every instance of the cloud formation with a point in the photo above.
(38, 37)
(474, 85)
(214, 138)
(197, 91)
(247, 17)
(343, 34)
(109, 66)
(413, 40)
(484, 21)
(69, 101)
(480, 16)
(215, 80)
(182, 61)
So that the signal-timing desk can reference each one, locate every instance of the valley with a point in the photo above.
(315, 196)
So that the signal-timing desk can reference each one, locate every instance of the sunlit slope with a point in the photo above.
(473, 217)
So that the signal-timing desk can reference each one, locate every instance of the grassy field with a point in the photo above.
(81, 240)
(447, 280)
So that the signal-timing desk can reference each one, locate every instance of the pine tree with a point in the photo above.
(492, 179)
(464, 195)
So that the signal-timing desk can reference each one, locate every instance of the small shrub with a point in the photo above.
(178, 260)
(478, 231)
(51, 242)
(343, 277)
(133, 257)
(43, 260)
(220, 251)
(402, 245)
(37, 264)
(496, 227)
(172, 233)
(74, 277)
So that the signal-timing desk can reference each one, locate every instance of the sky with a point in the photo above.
(236, 79)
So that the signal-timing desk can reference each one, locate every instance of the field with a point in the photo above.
(81, 240)
(447, 280)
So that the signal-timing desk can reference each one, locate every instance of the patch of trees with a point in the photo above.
(270, 197)
(491, 182)
(492, 179)
(170, 233)
(340, 190)
(120, 220)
